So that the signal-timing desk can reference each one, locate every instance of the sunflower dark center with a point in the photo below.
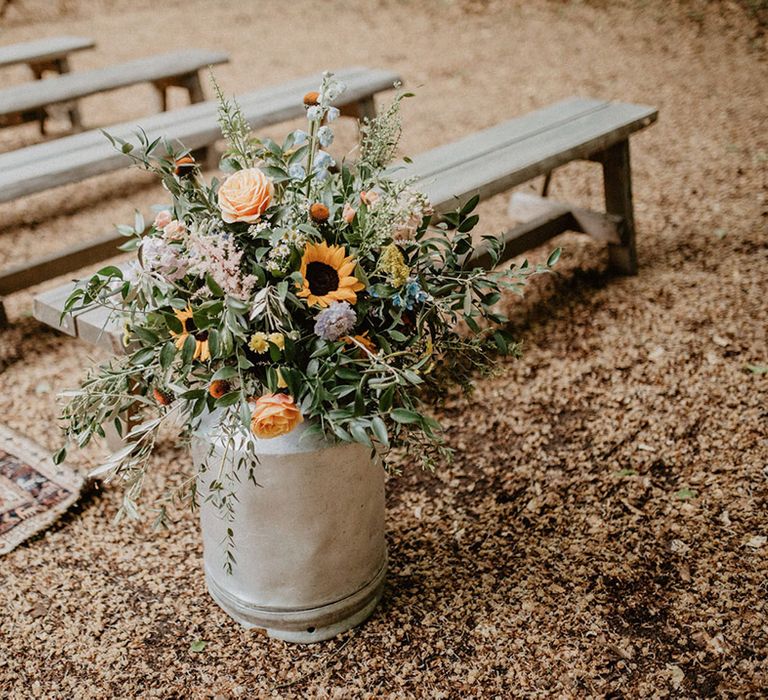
(322, 278)
(189, 325)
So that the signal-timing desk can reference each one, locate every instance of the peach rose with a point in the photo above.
(274, 415)
(245, 196)
(162, 219)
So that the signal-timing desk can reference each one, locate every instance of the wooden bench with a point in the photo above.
(31, 102)
(49, 54)
(511, 153)
(74, 158)
(487, 163)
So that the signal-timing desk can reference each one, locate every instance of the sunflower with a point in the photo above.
(188, 327)
(327, 273)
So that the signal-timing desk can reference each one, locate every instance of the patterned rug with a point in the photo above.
(34, 491)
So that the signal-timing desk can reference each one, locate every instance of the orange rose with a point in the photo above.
(245, 196)
(274, 415)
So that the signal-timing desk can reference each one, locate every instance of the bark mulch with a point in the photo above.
(602, 529)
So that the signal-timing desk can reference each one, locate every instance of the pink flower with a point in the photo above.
(174, 230)
(370, 197)
(407, 230)
(348, 213)
(162, 219)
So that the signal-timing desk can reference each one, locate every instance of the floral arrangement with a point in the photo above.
(297, 289)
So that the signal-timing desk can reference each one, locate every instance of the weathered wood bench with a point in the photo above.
(487, 163)
(31, 101)
(48, 54)
(44, 55)
(509, 154)
(74, 158)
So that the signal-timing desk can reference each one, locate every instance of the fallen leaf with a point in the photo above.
(197, 646)
(757, 541)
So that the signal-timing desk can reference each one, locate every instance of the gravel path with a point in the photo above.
(602, 531)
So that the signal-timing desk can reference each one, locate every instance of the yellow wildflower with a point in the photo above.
(259, 342)
(392, 263)
(277, 339)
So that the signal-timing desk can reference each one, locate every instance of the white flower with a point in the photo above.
(333, 114)
(299, 137)
(325, 136)
(297, 171)
(323, 160)
(333, 88)
(132, 272)
(164, 259)
(315, 113)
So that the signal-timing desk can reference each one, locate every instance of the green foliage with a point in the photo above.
(220, 301)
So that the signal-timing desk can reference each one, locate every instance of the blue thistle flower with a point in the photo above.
(336, 321)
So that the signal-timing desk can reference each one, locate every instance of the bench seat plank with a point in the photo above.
(43, 50)
(481, 143)
(32, 97)
(521, 153)
(74, 158)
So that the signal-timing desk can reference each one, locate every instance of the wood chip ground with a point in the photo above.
(602, 531)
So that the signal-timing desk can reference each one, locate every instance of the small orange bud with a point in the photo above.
(311, 98)
(219, 387)
(319, 212)
(164, 398)
(184, 166)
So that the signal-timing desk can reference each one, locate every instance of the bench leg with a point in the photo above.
(617, 181)
(62, 66)
(362, 109)
(547, 183)
(195, 89)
